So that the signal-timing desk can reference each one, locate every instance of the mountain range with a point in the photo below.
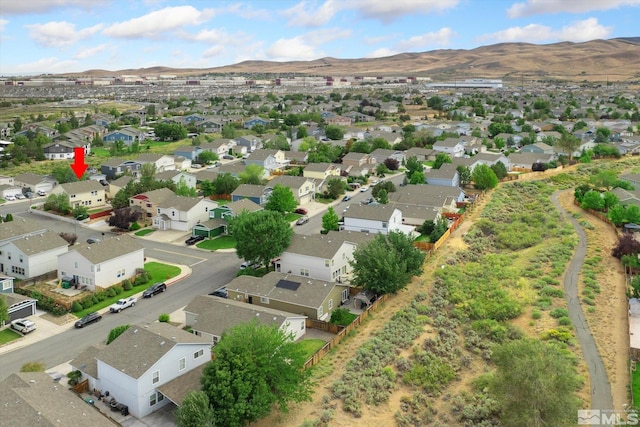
(597, 60)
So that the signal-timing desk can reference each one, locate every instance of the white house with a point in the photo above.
(135, 365)
(210, 316)
(102, 264)
(177, 177)
(162, 162)
(452, 146)
(182, 213)
(32, 255)
(323, 257)
(373, 219)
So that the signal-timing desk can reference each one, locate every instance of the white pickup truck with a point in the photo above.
(123, 303)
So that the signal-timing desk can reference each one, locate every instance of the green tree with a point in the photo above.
(195, 411)
(336, 187)
(592, 200)
(484, 178)
(229, 131)
(417, 178)
(4, 310)
(535, 383)
(334, 132)
(225, 183)
(183, 189)
(116, 332)
(413, 165)
(383, 197)
(439, 228)
(330, 220)
(207, 157)
(252, 174)
(441, 158)
(170, 131)
(602, 134)
(568, 144)
(260, 236)
(7, 218)
(63, 174)
(464, 173)
(500, 170)
(387, 186)
(617, 215)
(610, 200)
(281, 200)
(387, 263)
(58, 202)
(80, 213)
(605, 179)
(17, 125)
(256, 366)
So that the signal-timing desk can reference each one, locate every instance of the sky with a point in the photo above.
(58, 36)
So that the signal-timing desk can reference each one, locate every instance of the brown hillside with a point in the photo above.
(597, 60)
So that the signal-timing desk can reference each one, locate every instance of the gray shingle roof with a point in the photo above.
(139, 348)
(374, 213)
(249, 190)
(181, 203)
(293, 182)
(323, 246)
(115, 162)
(86, 360)
(29, 178)
(310, 293)
(19, 227)
(34, 399)
(262, 154)
(80, 187)
(159, 195)
(107, 249)
(243, 205)
(39, 243)
(446, 171)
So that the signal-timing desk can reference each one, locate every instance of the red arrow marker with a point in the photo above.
(78, 165)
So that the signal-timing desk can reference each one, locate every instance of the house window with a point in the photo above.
(320, 311)
(198, 353)
(21, 258)
(120, 273)
(9, 255)
(91, 269)
(98, 268)
(384, 225)
(345, 294)
(158, 211)
(215, 340)
(304, 272)
(173, 213)
(302, 325)
(330, 304)
(182, 363)
(17, 270)
(326, 263)
(6, 285)
(155, 397)
(72, 196)
(148, 205)
(264, 300)
(75, 265)
(155, 377)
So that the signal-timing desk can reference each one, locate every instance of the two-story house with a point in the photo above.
(148, 202)
(303, 189)
(83, 193)
(115, 167)
(177, 177)
(451, 146)
(442, 197)
(271, 160)
(102, 264)
(322, 171)
(249, 142)
(322, 257)
(209, 316)
(313, 298)
(373, 219)
(220, 146)
(189, 152)
(136, 365)
(58, 150)
(446, 175)
(182, 213)
(249, 123)
(127, 135)
(162, 162)
(31, 254)
(258, 194)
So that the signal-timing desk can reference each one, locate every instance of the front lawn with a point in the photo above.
(145, 232)
(289, 217)
(222, 242)
(423, 238)
(309, 347)
(8, 335)
(161, 272)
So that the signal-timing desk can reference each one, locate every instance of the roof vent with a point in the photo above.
(162, 343)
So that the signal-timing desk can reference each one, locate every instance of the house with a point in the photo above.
(219, 217)
(181, 212)
(177, 177)
(102, 120)
(297, 157)
(337, 120)
(447, 175)
(249, 123)
(58, 150)
(9, 190)
(117, 185)
(127, 135)
(189, 152)
(182, 163)
(422, 154)
(83, 193)
(31, 254)
(209, 125)
(439, 196)
(115, 167)
(373, 219)
(102, 264)
(140, 361)
(35, 182)
(322, 257)
(538, 148)
(18, 306)
(149, 201)
(322, 171)
(36, 399)
(379, 155)
(258, 194)
(526, 160)
(249, 142)
(451, 146)
(270, 160)
(209, 316)
(356, 159)
(416, 215)
(313, 298)
(220, 146)
(303, 189)
(627, 197)
(162, 162)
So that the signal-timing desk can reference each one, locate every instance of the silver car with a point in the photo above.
(23, 325)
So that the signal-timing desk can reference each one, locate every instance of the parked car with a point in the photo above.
(363, 189)
(346, 198)
(29, 195)
(301, 211)
(88, 319)
(222, 293)
(196, 166)
(122, 303)
(20, 196)
(23, 325)
(302, 220)
(9, 197)
(156, 288)
(228, 157)
(246, 264)
(42, 193)
(91, 240)
(375, 182)
(367, 201)
(192, 240)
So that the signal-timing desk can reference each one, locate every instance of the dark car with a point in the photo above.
(222, 293)
(301, 211)
(88, 319)
(228, 157)
(367, 201)
(91, 240)
(156, 288)
(193, 240)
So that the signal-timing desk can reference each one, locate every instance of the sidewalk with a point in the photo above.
(47, 325)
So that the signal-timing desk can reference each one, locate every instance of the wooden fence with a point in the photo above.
(342, 332)
(81, 387)
(100, 214)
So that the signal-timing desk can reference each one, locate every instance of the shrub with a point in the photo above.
(341, 316)
(116, 332)
(126, 285)
(33, 367)
(164, 317)
(76, 307)
(564, 321)
(118, 289)
(536, 314)
(95, 300)
(111, 292)
(134, 226)
(558, 313)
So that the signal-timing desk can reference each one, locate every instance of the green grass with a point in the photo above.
(635, 387)
(291, 216)
(159, 273)
(222, 242)
(310, 346)
(145, 232)
(423, 238)
(8, 335)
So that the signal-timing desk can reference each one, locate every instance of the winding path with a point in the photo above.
(601, 397)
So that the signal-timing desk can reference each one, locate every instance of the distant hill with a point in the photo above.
(597, 60)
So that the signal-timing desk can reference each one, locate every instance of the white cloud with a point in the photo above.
(59, 33)
(579, 31)
(213, 52)
(45, 65)
(17, 7)
(91, 51)
(309, 14)
(157, 23)
(538, 7)
(440, 38)
(293, 49)
(246, 12)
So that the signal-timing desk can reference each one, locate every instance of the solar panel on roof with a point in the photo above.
(288, 284)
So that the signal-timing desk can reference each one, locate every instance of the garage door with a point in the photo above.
(200, 232)
(24, 310)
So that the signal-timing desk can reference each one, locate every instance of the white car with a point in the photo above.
(9, 197)
(364, 189)
(23, 325)
(41, 193)
(20, 196)
(123, 303)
